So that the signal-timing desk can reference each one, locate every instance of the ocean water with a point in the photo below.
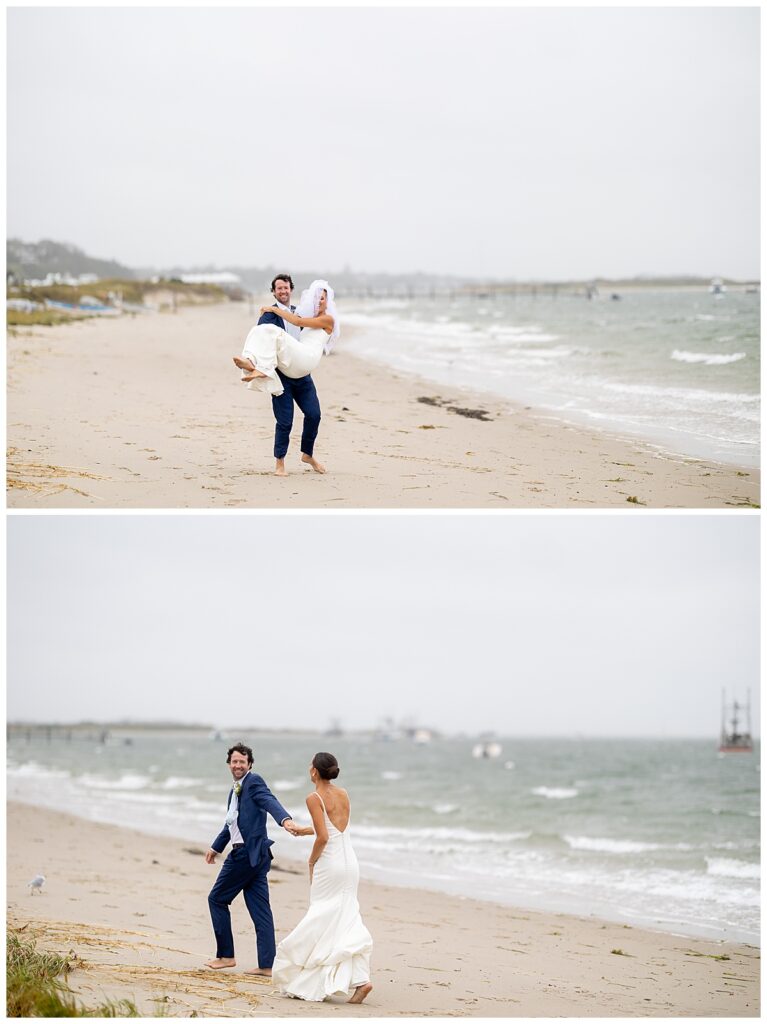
(679, 368)
(663, 834)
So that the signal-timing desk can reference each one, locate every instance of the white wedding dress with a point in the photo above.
(328, 952)
(269, 347)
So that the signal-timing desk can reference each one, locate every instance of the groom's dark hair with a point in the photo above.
(241, 749)
(283, 277)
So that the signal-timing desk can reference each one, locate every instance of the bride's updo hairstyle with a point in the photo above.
(326, 766)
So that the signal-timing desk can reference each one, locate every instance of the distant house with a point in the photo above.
(50, 279)
(223, 277)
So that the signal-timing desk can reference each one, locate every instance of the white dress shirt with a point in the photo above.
(231, 815)
(293, 331)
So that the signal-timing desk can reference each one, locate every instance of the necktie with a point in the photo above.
(234, 806)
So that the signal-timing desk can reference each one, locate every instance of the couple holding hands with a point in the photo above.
(328, 952)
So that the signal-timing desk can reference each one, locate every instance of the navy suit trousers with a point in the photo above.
(237, 876)
(303, 392)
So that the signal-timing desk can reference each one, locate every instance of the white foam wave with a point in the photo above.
(286, 784)
(443, 328)
(180, 782)
(391, 776)
(688, 886)
(609, 845)
(127, 781)
(461, 835)
(560, 352)
(32, 769)
(444, 808)
(555, 793)
(522, 334)
(682, 394)
(712, 359)
(729, 868)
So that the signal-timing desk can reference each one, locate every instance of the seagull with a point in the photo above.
(36, 884)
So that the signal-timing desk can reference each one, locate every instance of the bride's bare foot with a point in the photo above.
(221, 961)
(311, 461)
(264, 972)
(279, 468)
(252, 375)
(243, 364)
(361, 992)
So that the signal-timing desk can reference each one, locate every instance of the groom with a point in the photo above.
(246, 867)
(300, 390)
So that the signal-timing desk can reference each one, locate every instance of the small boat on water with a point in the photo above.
(487, 751)
(422, 736)
(732, 740)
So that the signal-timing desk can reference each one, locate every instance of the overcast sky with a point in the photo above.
(543, 143)
(608, 625)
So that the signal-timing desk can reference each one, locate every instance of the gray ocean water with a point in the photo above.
(679, 368)
(661, 833)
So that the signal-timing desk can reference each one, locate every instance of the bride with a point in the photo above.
(269, 348)
(328, 952)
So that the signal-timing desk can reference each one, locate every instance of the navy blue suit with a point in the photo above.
(245, 870)
(300, 390)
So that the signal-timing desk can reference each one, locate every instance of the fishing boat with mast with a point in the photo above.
(732, 740)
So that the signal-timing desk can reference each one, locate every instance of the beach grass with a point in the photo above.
(130, 290)
(35, 985)
(37, 317)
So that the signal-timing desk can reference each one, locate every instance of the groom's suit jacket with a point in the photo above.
(255, 801)
(274, 318)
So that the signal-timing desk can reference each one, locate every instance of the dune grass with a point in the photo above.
(46, 317)
(36, 986)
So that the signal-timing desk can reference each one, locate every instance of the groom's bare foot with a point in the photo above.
(264, 972)
(279, 468)
(360, 993)
(221, 961)
(311, 461)
(243, 364)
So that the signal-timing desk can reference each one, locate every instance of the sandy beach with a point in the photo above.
(147, 412)
(133, 909)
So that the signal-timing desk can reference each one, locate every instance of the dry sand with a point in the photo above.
(147, 412)
(133, 909)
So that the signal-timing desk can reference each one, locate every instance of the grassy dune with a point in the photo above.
(36, 986)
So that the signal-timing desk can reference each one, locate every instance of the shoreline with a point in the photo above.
(133, 906)
(385, 874)
(149, 413)
(599, 424)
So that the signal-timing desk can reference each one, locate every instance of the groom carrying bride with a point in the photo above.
(300, 390)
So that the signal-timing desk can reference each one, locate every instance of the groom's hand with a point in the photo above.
(210, 857)
(290, 826)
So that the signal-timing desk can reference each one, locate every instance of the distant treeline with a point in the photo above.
(35, 260)
(32, 261)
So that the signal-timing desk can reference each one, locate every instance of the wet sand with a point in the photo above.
(133, 908)
(147, 412)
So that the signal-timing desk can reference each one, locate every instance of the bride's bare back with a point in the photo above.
(337, 805)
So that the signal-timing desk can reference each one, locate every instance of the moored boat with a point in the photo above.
(733, 740)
